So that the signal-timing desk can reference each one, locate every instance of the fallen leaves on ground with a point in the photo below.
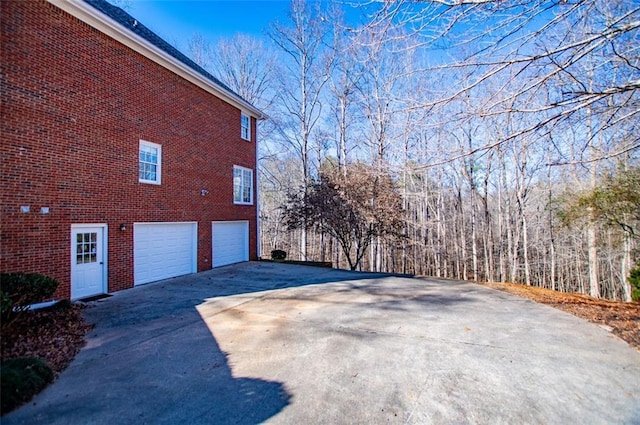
(55, 335)
(622, 318)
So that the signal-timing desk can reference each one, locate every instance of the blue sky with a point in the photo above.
(177, 20)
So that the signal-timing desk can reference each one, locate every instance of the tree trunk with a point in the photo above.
(626, 268)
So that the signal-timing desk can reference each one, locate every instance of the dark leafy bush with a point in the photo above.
(19, 290)
(634, 280)
(21, 379)
(278, 254)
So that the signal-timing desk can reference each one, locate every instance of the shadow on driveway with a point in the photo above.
(152, 359)
(232, 345)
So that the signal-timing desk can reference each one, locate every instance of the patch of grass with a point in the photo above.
(21, 379)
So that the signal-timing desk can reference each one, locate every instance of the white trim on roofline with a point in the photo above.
(93, 17)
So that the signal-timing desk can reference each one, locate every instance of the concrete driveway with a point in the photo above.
(265, 342)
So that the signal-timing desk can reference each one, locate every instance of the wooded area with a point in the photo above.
(506, 131)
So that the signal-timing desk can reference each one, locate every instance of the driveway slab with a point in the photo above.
(282, 344)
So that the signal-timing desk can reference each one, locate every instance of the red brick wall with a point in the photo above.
(75, 104)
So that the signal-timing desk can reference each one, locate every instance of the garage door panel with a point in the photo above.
(163, 250)
(230, 242)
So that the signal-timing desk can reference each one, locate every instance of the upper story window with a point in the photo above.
(242, 185)
(149, 162)
(245, 126)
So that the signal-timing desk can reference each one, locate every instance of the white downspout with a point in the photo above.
(257, 189)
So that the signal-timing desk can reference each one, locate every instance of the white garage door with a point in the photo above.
(163, 250)
(230, 242)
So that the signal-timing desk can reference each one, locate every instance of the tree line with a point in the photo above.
(480, 140)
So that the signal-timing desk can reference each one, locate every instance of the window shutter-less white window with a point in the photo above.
(245, 127)
(149, 162)
(242, 185)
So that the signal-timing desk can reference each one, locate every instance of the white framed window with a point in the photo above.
(149, 162)
(245, 126)
(242, 185)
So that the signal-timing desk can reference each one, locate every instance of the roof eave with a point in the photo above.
(103, 23)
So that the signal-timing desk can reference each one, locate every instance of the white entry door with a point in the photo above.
(88, 268)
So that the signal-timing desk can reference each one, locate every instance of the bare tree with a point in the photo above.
(199, 49)
(487, 116)
(345, 78)
(303, 77)
(246, 65)
(537, 40)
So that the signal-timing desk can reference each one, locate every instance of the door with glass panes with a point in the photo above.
(87, 261)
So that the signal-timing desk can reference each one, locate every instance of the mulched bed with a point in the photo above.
(53, 334)
(622, 318)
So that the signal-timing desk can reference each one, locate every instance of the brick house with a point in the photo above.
(122, 161)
